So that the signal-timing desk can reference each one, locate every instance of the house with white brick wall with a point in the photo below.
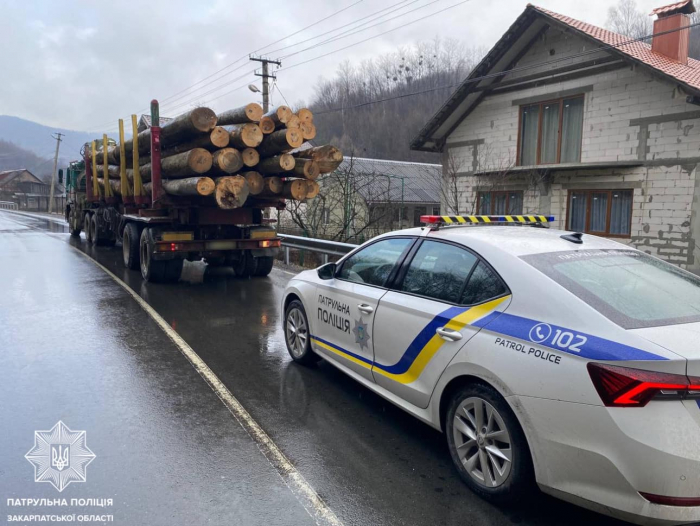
(568, 119)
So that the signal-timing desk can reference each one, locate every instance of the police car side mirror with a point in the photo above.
(327, 271)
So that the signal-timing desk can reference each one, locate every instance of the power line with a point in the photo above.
(354, 31)
(344, 25)
(260, 49)
(506, 71)
(376, 36)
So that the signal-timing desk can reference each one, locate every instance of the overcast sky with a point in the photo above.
(82, 65)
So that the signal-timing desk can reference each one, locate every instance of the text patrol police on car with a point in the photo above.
(550, 359)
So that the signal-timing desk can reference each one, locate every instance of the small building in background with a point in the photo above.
(28, 192)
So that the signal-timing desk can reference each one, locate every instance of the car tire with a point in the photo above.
(130, 246)
(297, 335)
(482, 429)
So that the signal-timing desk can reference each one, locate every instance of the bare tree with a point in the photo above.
(352, 203)
(625, 19)
(451, 192)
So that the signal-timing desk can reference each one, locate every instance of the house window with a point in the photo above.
(601, 212)
(436, 210)
(500, 203)
(326, 216)
(551, 132)
(417, 212)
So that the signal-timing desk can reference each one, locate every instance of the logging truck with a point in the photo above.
(167, 198)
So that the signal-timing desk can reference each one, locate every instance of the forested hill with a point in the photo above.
(12, 157)
(384, 130)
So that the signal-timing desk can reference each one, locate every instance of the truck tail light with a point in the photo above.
(269, 243)
(625, 387)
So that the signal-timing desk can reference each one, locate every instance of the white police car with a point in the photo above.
(561, 360)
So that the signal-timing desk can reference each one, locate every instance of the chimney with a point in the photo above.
(674, 43)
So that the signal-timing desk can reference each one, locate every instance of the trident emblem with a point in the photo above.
(60, 456)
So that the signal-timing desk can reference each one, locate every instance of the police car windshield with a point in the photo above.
(632, 289)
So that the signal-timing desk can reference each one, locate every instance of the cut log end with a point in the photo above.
(254, 112)
(307, 169)
(219, 137)
(231, 192)
(250, 156)
(246, 135)
(206, 186)
(305, 115)
(281, 114)
(273, 185)
(199, 160)
(308, 130)
(267, 125)
(256, 182)
(227, 160)
(313, 188)
(203, 119)
(296, 189)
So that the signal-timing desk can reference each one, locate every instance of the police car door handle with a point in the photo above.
(367, 309)
(448, 334)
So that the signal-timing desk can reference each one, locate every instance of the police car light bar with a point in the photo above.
(472, 220)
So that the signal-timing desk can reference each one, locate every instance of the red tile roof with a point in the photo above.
(640, 51)
(673, 7)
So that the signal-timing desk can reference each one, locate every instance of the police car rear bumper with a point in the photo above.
(604, 458)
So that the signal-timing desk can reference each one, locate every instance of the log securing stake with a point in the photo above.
(88, 175)
(156, 186)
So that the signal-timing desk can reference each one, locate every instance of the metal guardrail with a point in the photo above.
(8, 205)
(321, 246)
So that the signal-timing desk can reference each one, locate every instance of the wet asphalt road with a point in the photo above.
(76, 347)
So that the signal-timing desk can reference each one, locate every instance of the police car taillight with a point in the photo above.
(625, 387)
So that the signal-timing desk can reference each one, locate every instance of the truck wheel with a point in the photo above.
(263, 265)
(151, 269)
(94, 237)
(87, 227)
(130, 246)
(70, 217)
(245, 266)
(173, 270)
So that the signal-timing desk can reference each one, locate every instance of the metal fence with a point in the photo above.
(8, 205)
(320, 246)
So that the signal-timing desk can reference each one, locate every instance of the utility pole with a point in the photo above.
(265, 76)
(55, 165)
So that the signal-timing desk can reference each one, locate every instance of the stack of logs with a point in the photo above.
(240, 157)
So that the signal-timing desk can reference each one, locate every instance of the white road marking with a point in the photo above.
(297, 484)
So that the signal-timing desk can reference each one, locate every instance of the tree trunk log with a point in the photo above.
(308, 130)
(307, 169)
(292, 122)
(280, 115)
(217, 139)
(227, 161)
(313, 188)
(272, 186)
(280, 141)
(328, 157)
(267, 125)
(246, 135)
(112, 156)
(256, 182)
(189, 125)
(305, 115)
(249, 113)
(277, 164)
(250, 157)
(296, 189)
(190, 186)
(231, 191)
(195, 161)
(115, 185)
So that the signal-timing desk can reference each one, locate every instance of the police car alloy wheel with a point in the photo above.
(296, 334)
(488, 446)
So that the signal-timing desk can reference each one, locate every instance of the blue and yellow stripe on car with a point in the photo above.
(423, 347)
